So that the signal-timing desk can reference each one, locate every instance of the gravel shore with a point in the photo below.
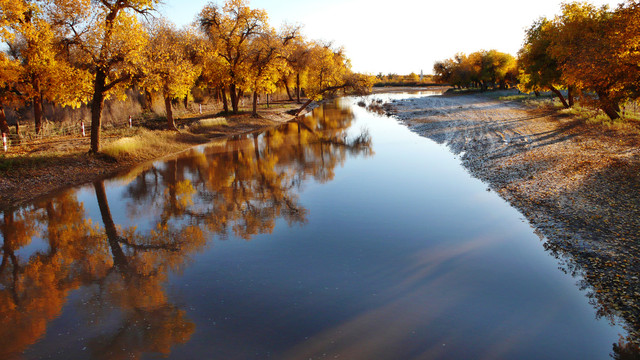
(577, 184)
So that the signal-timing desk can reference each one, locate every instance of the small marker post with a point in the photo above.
(4, 141)
(130, 124)
(200, 109)
(82, 127)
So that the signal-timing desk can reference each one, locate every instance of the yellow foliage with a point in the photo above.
(169, 69)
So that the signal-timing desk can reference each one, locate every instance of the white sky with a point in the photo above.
(399, 36)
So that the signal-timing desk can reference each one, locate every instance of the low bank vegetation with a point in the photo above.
(587, 112)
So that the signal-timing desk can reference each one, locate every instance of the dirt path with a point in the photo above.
(577, 184)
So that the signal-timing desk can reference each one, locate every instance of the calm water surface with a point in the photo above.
(341, 236)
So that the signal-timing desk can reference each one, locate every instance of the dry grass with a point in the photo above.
(544, 103)
(9, 163)
(146, 144)
(209, 124)
(629, 123)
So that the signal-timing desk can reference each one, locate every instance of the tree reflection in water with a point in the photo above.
(243, 185)
(240, 187)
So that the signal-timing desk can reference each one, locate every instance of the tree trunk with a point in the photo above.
(239, 97)
(559, 95)
(298, 88)
(286, 86)
(234, 98)
(254, 112)
(99, 84)
(96, 109)
(148, 101)
(537, 93)
(167, 106)
(225, 104)
(172, 183)
(610, 110)
(53, 240)
(304, 106)
(186, 101)
(105, 212)
(37, 109)
(610, 107)
(256, 148)
(8, 246)
(119, 258)
(4, 126)
(570, 95)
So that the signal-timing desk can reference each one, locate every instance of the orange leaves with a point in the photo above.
(538, 69)
(480, 68)
(588, 48)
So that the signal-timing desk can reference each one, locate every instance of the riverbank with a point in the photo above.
(404, 89)
(42, 168)
(577, 184)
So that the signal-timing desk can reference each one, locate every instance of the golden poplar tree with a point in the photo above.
(170, 69)
(594, 50)
(329, 70)
(31, 34)
(106, 37)
(231, 29)
(9, 74)
(267, 59)
(538, 70)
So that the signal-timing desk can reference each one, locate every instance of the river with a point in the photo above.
(343, 235)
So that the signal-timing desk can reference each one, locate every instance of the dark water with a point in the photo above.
(344, 236)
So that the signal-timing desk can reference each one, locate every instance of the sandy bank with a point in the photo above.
(577, 184)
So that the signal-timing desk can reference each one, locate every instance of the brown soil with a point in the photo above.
(577, 184)
(44, 167)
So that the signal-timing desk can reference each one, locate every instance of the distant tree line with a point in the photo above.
(71, 53)
(481, 69)
(586, 53)
(412, 79)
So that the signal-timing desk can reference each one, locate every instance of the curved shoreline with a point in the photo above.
(578, 185)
